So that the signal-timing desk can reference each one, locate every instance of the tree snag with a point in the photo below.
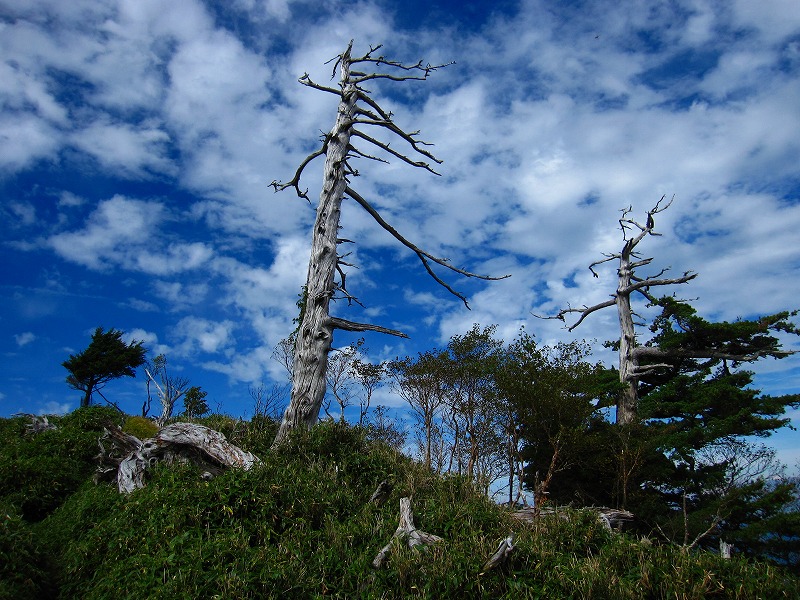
(740, 342)
(406, 531)
(628, 282)
(357, 112)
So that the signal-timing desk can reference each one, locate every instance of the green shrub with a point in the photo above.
(23, 573)
(299, 525)
(39, 471)
(140, 427)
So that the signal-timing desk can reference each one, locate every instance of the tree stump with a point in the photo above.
(406, 532)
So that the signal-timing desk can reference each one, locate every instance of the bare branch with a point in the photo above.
(401, 156)
(423, 256)
(306, 80)
(358, 152)
(585, 312)
(344, 325)
(295, 182)
(647, 283)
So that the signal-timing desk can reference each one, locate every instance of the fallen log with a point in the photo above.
(129, 458)
(406, 532)
(613, 519)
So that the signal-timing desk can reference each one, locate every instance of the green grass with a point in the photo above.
(300, 526)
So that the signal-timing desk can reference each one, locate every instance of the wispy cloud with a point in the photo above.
(23, 339)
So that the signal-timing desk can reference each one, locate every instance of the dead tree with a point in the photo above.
(357, 114)
(629, 283)
(406, 532)
(169, 391)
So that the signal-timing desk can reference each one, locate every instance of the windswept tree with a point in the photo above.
(358, 113)
(107, 357)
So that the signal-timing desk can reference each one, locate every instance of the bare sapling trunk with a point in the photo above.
(357, 112)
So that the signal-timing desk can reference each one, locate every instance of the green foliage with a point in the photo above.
(299, 526)
(700, 476)
(557, 398)
(39, 471)
(23, 573)
(107, 357)
(140, 427)
(194, 402)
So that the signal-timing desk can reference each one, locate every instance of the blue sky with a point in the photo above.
(139, 138)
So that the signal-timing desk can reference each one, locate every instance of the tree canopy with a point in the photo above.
(107, 357)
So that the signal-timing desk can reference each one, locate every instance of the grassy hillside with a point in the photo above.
(300, 526)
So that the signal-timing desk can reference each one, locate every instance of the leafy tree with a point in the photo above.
(556, 398)
(194, 402)
(370, 377)
(422, 383)
(474, 360)
(107, 357)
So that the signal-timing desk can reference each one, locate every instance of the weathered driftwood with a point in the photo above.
(129, 458)
(381, 493)
(406, 531)
(614, 519)
(501, 554)
(37, 423)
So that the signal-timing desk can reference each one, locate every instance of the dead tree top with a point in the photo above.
(633, 232)
(369, 114)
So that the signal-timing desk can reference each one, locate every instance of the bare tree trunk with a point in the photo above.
(628, 283)
(315, 335)
(316, 331)
(629, 396)
(406, 532)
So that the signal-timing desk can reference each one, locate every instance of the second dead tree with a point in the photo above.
(357, 113)
(628, 283)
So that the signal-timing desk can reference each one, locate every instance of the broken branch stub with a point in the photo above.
(501, 554)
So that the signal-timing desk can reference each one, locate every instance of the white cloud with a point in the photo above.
(54, 408)
(126, 149)
(552, 120)
(203, 335)
(126, 232)
(111, 229)
(23, 339)
(149, 340)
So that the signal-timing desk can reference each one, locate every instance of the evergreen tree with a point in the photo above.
(704, 478)
(194, 402)
(107, 357)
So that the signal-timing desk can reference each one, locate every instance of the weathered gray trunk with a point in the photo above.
(315, 335)
(628, 400)
(316, 330)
